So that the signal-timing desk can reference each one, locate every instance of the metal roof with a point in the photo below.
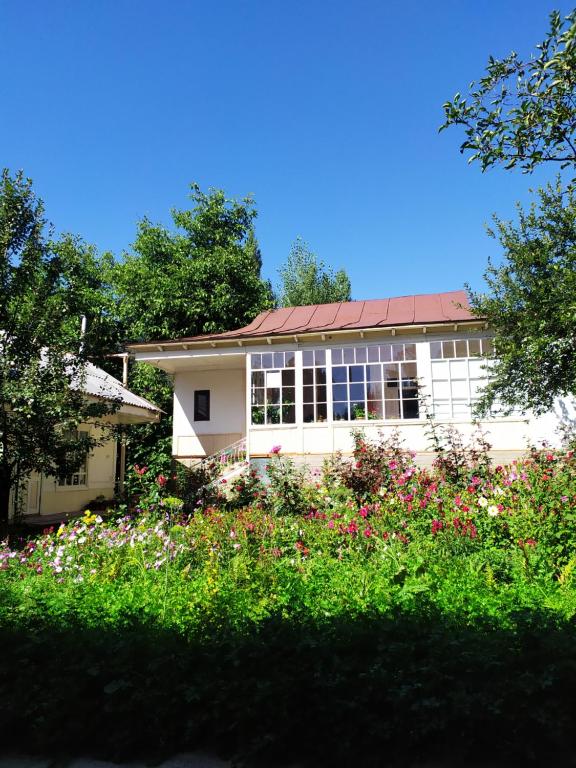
(98, 383)
(419, 309)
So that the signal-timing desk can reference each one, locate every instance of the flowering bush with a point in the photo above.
(418, 602)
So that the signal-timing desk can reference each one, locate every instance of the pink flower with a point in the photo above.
(275, 449)
(363, 512)
(161, 480)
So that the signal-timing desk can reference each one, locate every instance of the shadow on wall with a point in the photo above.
(368, 692)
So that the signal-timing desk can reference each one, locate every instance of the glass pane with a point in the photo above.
(320, 357)
(474, 347)
(257, 397)
(257, 415)
(308, 357)
(373, 355)
(321, 394)
(410, 409)
(289, 414)
(408, 370)
(373, 373)
(278, 359)
(320, 375)
(441, 390)
(361, 354)
(409, 351)
(288, 378)
(460, 408)
(397, 351)
(308, 412)
(458, 369)
(288, 395)
(273, 395)
(340, 412)
(290, 360)
(339, 392)
(374, 391)
(487, 347)
(375, 409)
(409, 389)
(348, 354)
(308, 394)
(308, 376)
(356, 373)
(273, 379)
(336, 356)
(273, 414)
(436, 350)
(385, 353)
(392, 390)
(442, 409)
(321, 412)
(390, 371)
(357, 392)
(459, 388)
(447, 349)
(256, 361)
(392, 409)
(258, 378)
(461, 348)
(339, 374)
(357, 411)
(267, 360)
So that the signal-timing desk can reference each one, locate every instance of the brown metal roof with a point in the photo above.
(421, 309)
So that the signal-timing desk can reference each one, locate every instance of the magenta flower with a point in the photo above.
(276, 449)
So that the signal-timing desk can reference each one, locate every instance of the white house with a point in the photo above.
(302, 377)
(47, 496)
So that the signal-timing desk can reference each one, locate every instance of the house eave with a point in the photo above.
(323, 336)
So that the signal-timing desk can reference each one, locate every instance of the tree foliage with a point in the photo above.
(46, 287)
(306, 280)
(531, 305)
(201, 276)
(523, 112)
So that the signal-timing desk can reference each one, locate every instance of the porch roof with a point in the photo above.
(419, 309)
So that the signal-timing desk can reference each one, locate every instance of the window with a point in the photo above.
(202, 405)
(314, 385)
(80, 476)
(375, 382)
(458, 374)
(273, 388)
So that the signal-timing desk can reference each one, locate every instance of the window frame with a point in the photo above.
(66, 483)
(201, 414)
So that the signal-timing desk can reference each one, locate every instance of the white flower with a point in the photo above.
(482, 502)
(493, 510)
(498, 491)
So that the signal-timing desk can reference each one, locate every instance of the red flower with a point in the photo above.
(161, 480)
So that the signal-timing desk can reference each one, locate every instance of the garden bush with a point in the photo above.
(374, 614)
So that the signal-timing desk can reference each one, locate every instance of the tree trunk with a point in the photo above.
(4, 505)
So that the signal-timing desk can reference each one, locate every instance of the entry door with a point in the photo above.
(32, 503)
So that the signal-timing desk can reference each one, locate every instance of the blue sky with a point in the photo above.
(326, 112)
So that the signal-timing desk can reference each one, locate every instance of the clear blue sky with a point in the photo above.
(325, 111)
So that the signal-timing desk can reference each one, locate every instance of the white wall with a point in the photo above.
(227, 411)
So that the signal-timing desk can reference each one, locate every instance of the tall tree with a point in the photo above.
(523, 112)
(306, 280)
(201, 276)
(531, 305)
(46, 287)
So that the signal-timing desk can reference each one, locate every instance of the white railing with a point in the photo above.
(226, 458)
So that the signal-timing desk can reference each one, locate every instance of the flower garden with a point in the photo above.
(374, 613)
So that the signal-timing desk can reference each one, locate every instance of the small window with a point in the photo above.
(202, 405)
